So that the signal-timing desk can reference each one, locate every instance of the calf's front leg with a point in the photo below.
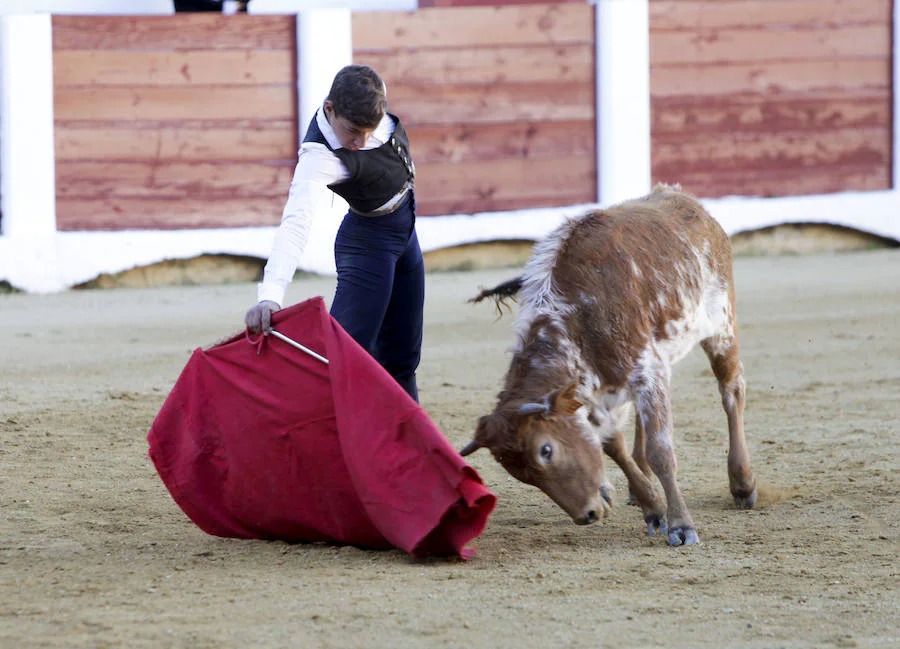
(639, 486)
(654, 407)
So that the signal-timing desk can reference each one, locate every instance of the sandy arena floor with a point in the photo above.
(94, 553)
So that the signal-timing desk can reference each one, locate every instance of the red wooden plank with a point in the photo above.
(103, 180)
(481, 142)
(467, 26)
(789, 152)
(187, 31)
(448, 188)
(752, 14)
(774, 183)
(746, 46)
(483, 65)
(487, 3)
(682, 117)
(154, 68)
(174, 103)
(459, 104)
(166, 214)
(772, 78)
(180, 142)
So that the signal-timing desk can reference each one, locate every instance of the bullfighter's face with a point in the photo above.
(351, 136)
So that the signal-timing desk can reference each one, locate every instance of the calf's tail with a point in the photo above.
(500, 293)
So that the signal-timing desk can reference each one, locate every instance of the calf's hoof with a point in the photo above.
(656, 524)
(606, 492)
(744, 500)
(683, 536)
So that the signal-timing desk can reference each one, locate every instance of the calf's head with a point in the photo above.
(542, 443)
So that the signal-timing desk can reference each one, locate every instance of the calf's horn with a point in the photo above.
(471, 447)
(533, 409)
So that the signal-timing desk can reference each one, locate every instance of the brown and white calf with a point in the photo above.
(608, 303)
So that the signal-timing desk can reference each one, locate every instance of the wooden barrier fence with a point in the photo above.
(772, 97)
(190, 121)
(498, 101)
(178, 121)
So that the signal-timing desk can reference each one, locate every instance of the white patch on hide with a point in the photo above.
(538, 296)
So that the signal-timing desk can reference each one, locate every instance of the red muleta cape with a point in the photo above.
(259, 440)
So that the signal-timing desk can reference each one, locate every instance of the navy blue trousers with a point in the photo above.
(381, 289)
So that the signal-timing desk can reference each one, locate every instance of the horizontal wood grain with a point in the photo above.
(173, 68)
(752, 14)
(172, 103)
(484, 3)
(684, 116)
(480, 142)
(253, 141)
(771, 78)
(97, 180)
(774, 183)
(446, 188)
(485, 65)
(166, 214)
(186, 31)
(474, 26)
(744, 46)
(788, 151)
(460, 104)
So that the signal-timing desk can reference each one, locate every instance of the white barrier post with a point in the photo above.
(895, 91)
(623, 99)
(27, 167)
(324, 46)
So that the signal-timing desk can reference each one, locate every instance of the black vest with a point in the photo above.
(376, 175)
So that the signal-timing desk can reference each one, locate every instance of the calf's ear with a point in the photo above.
(488, 431)
(565, 400)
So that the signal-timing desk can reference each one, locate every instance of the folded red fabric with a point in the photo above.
(260, 440)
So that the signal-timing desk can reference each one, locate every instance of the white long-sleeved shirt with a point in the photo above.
(317, 167)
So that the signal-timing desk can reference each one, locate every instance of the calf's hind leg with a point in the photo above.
(723, 354)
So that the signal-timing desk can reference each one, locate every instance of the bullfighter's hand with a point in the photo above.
(259, 317)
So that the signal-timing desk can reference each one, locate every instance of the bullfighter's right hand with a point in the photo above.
(259, 317)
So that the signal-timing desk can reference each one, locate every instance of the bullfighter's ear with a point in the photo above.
(490, 428)
(565, 401)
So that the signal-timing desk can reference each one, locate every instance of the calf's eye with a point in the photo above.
(546, 452)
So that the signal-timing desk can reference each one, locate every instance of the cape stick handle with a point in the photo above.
(294, 343)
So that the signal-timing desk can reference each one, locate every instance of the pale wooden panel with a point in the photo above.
(95, 180)
(773, 183)
(488, 65)
(464, 143)
(492, 104)
(160, 214)
(474, 26)
(173, 103)
(74, 141)
(446, 188)
(197, 31)
(485, 3)
(754, 46)
(852, 76)
(788, 151)
(194, 67)
(747, 14)
(683, 116)
(245, 141)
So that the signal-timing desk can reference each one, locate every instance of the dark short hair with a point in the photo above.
(357, 94)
